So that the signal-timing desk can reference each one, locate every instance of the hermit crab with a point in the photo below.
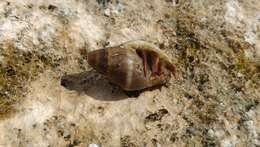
(134, 65)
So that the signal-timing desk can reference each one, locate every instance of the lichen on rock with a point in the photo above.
(18, 68)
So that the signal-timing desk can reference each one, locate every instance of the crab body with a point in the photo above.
(133, 65)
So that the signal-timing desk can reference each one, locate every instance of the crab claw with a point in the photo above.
(155, 64)
(143, 55)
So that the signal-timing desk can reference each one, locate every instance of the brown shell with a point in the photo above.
(123, 66)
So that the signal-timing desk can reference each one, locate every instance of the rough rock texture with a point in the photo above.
(49, 96)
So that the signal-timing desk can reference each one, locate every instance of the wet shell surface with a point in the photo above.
(134, 65)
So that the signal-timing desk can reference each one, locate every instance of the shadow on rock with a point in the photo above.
(94, 85)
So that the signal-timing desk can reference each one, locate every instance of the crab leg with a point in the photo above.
(144, 57)
(155, 64)
(172, 68)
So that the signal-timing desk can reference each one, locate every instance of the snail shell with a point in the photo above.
(123, 65)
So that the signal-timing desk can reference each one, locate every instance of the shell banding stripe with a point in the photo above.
(97, 59)
(129, 75)
(102, 61)
(108, 54)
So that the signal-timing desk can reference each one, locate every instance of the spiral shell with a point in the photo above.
(124, 66)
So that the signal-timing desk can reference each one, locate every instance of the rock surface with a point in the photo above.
(49, 96)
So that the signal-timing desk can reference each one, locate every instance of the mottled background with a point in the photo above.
(215, 45)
